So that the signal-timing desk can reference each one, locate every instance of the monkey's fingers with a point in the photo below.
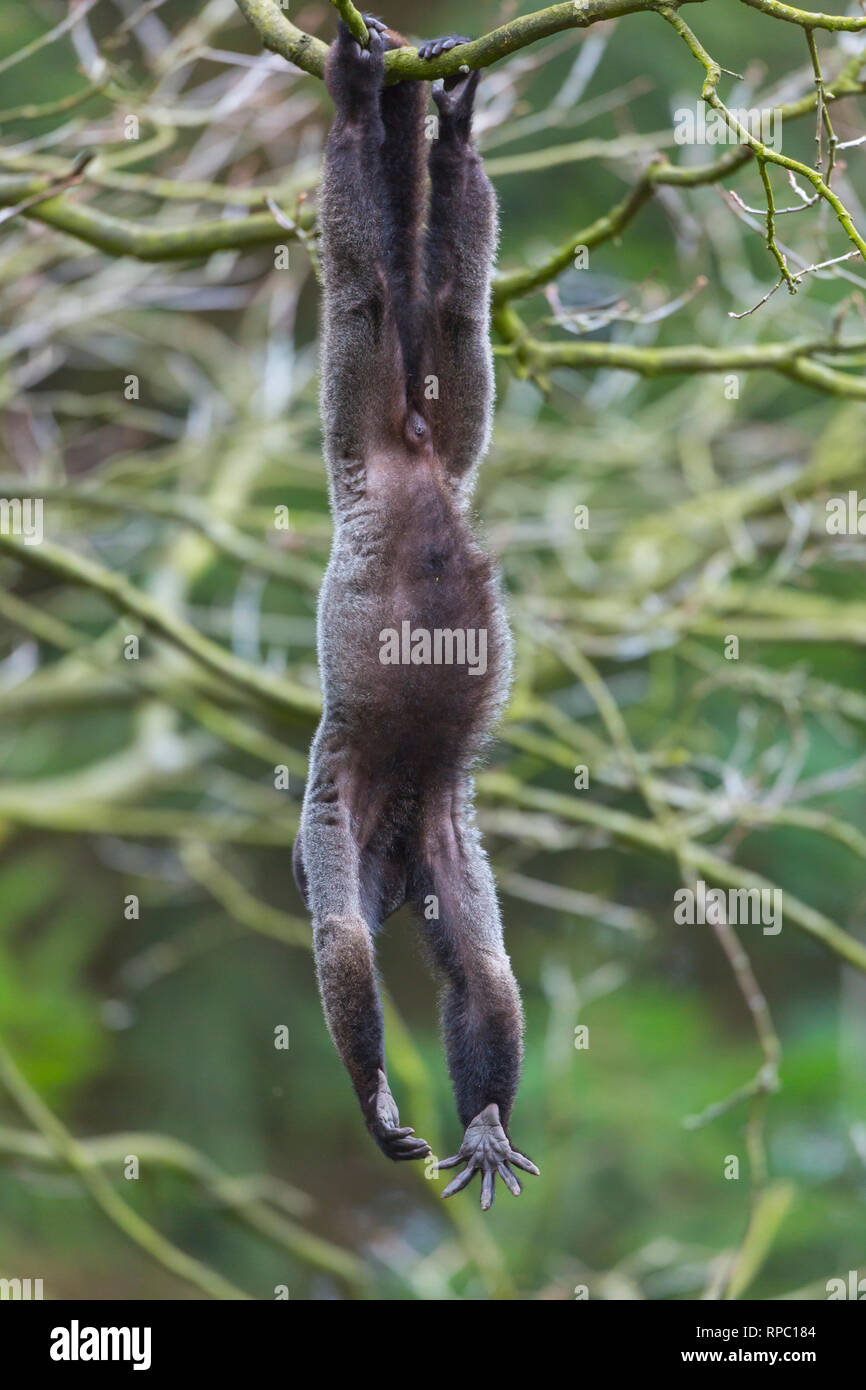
(444, 101)
(399, 1144)
(375, 44)
(509, 1179)
(353, 75)
(375, 41)
(488, 1189)
(462, 1180)
(432, 48)
(410, 1149)
(451, 1162)
(521, 1161)
(454, 100)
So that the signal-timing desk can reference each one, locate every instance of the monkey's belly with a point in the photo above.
(414, 646)
(427, 666)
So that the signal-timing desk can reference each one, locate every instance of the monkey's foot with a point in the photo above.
(486, 1149)
(383, 1120)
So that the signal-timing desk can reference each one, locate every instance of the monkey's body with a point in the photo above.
(413, 559)
(387, 814)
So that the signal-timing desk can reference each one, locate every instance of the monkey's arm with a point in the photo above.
(461, 243)
(404, 158)
(355, 329)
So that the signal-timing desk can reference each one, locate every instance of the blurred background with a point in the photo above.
(151, 937)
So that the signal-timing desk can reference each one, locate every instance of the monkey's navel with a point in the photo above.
(415, 431)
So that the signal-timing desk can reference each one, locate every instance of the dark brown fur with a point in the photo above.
(387, 815)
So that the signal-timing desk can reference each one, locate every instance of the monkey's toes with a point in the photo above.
(431, 48)
(486, 1149)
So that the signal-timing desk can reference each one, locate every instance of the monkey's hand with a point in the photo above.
(455, 95)
(486, 1149)
(383, 1121)
(434, 48)
(455, 108)
(353, 75)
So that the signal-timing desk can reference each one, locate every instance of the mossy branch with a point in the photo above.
(647, 834)
(795, 359)
(118, 236)
(282, 696)
(806, 18)
(352, 19)
(281, 36)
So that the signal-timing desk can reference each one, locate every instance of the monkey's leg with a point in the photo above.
(482, 1017)
(340, 902)
(461, 242)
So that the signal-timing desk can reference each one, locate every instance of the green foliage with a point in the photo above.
(153, 1034)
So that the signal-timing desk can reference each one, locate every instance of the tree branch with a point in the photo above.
(793, 359)
(117, 236)
(308, 53)
(764, 152)
(806, 18)
(281, 694)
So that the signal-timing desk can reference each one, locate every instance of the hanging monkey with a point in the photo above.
(407, 390)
